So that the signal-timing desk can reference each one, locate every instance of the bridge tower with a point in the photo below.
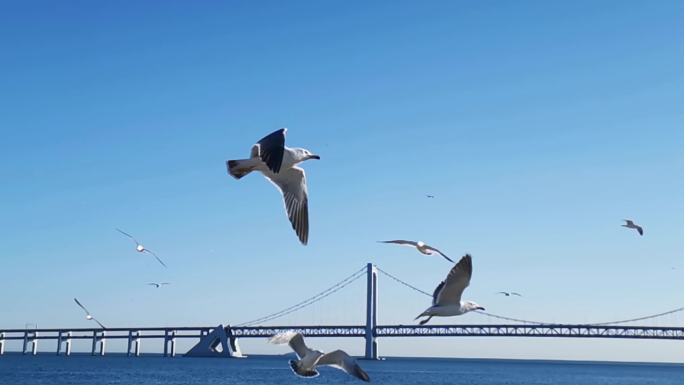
(371, 312)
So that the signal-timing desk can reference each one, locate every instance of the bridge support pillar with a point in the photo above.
(216, 344)
(67, 349)
(133, 342)
(25, 345)
(34, 344)
(60, 337)
(371, 312)
(137, 344)
(233, 343)
(2, 343)
(98, 339)
(169, 340)
(103, 342)
(94, 344)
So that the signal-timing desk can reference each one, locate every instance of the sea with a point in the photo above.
(274, 370)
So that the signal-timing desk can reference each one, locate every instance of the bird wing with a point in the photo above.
(435, 293)
(153, 284)
(341, 360)
(503, 292)
(628, 222)
(81, 306)
(155, 255)
(401, 242)
(518, 294)
(271, 148)
(294, 339)
(440, 253)
(99, 323)
(292, 184)
(129, 236)
(456, 281)
(640, 230)
(166, 283)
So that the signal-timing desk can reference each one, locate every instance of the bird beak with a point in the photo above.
(479, 308)
(314, 157)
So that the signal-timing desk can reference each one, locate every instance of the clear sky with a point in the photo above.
(537, 125)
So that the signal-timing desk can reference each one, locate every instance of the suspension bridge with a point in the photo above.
(223, 340)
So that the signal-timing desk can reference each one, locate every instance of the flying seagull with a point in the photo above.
(430, 196)
(158, 284)
(140, 248)
(508, 294)
(446, 300)
(278, 164)
(88, 316)
(310, 359)
(631, 225)
(420, 246)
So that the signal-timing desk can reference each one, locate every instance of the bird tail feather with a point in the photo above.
(241, 167)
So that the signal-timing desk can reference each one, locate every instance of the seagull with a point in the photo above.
(420, 246)
(278, 164)
(310, 359)
(430, 196)
(508, 294)
(158, 285)
(140, 248)
(446, 300)
(88, 316)
(631, 225)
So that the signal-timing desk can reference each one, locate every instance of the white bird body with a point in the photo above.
(310, 359)
(420, 246)
(446, 310)
(88, 316)
(278, 163)
(140, 248)
(446, 299)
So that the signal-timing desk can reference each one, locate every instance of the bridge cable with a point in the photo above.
(309, 301)
(677, 310)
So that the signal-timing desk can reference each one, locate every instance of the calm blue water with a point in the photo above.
(273, 370)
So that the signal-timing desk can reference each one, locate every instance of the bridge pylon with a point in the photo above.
(371, 312)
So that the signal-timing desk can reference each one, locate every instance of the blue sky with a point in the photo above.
(538, 126)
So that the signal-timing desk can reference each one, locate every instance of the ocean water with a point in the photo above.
(274, 370)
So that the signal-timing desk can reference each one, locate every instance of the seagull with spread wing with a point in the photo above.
(446, 300)
(631, 225)
(278, 164)
(309, 359)
(158, 284)
(88, 316)
(509, 293)
(140, 248)
(420, 246)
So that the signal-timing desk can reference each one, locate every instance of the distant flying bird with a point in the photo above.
(420, 246)
(446, 300)
(631, 225)
(140, 248)
(88, 316)
(158, 285)
(310, 359)
(430, 196)
(508, 294)
(278, 164)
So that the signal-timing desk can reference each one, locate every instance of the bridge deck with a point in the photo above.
(474, 330)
